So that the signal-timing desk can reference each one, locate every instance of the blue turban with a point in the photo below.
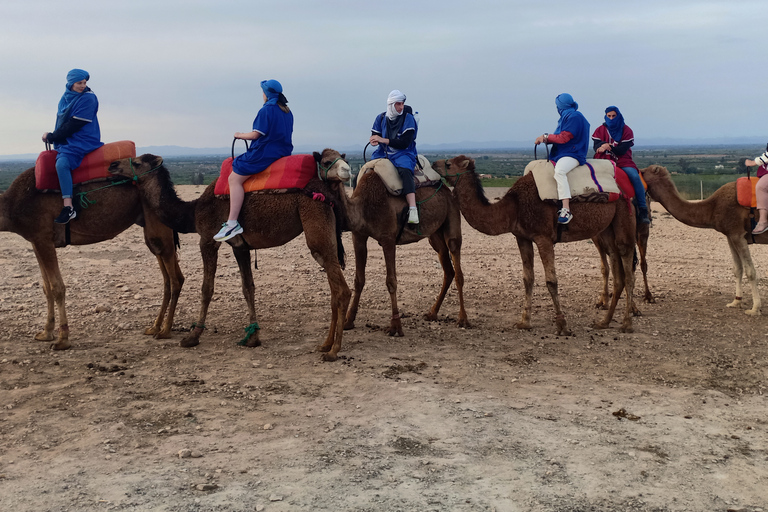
(70, 97)
(616, 125)
(272, 89)
(565, 107)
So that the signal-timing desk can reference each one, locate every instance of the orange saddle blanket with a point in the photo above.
(293, 171)
(745, 191)
(93, 167)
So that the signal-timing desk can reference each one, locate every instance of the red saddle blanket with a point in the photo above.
(745, 191)
(293, 171)
(93, 167)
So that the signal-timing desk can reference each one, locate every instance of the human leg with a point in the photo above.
(761, 193)
(232, 227)
(637, 185)
(64, 171)
(409, 191)
(563, 166)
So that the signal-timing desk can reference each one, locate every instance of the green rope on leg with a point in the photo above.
(248, 333)
(194, 325)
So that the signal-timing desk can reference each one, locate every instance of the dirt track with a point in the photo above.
(672, 417)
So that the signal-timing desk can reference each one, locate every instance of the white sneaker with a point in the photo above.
(413, 216)
(228, 232)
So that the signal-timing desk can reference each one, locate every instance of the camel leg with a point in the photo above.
(340, 295)
(642, 247)
(438, 244)
(209, 250)
(602, 300)
(360, 244)
(395, 326)
(547, 255)
(526, 253)
(242, 255)
(55, 292)
(628, 283)
(742, 264)
(173, 280)
(623, 279)
(454, 247)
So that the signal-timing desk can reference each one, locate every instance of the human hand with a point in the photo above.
(374, 140)
(45, 137)
(749, 163)
(539, 140)
(239, 135)
(605, 147)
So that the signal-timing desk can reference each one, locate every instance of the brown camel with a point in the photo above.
(522, 213)
(372, 212)
(720, 212)
(269, 220)
(113, 209)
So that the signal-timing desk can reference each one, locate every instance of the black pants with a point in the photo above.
(407, 176)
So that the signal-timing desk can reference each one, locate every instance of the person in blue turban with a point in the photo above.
(613, 140)
(76, 134)
(570, 144)
(271, 139)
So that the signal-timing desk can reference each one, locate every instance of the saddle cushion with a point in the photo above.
(93, 167)
(423, 176)
(745, 191)
(593, 182)
(293, 171)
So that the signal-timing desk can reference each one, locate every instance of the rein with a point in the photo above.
(325, 169)
(85, 202)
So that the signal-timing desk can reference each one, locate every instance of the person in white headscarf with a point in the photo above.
(394, 133)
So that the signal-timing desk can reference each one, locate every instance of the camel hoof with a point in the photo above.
(44, 336)
(396, 333)
(599, 325)
(329, 357)
(430, 317)
(735, 304)
(61, 345)
(753, 312)
(463, 322)
(627, 329)
(151, 331)
(189, 341)
(524, 326)
(349, 326)
(323, 348)
(162, 335)
(649, 299)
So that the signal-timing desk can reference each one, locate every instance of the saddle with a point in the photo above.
(745, 191)
(93, 167)
(423, 175)
(289, 172)
(599, 181)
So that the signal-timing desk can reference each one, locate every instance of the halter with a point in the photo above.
(136, 177)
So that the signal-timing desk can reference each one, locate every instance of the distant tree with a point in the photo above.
(741, 166)
(685, 166)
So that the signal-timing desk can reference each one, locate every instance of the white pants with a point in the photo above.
(563, 166)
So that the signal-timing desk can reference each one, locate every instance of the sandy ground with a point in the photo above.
(672, 417)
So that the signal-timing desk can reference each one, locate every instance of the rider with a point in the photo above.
(761, 191)
(394, 132)
(613, 140)
(570, 144)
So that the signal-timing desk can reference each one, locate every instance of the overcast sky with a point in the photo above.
(187, 72)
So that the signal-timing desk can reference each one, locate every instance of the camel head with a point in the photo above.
(453, 168)
(133, 168)
(332, 165)
(655, 175)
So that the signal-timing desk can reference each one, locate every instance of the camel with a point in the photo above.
(522, 213)
(113, 209)
(269, 220)
(372, 212)
(720, 211)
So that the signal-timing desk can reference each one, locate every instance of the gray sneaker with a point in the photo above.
(413, 216)
(226, 232)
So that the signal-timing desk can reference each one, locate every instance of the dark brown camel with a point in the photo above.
(372, 212)
(522, 213)
(269, 220)
(30, 213)
(721, 212)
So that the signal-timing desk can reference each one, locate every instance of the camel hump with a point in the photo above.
(593, 180)
(423, 174)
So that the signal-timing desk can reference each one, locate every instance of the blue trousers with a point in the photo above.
(64, 170)
(637, 184)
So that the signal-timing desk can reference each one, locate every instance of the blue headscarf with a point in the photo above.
(272, 89)
(616, 125)
(70, 97)
(565, 107)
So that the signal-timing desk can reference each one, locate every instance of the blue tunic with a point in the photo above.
(276, 129)
(86, 139)
(572, 121)
(399, 157)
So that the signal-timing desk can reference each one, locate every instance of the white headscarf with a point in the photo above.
(393, 98)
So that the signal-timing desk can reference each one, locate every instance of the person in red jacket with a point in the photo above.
(613, 140)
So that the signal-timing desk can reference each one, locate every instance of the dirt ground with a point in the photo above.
(672, 417)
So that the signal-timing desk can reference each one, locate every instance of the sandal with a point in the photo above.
(760, 231)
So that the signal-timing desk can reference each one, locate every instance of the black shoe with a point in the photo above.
(67, 214)
(642, 216)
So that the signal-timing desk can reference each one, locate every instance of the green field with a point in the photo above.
(696, 170)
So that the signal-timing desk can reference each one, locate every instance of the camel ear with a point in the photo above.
(465, 163)
(344, 156)
(151, 160)
(317, 156)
